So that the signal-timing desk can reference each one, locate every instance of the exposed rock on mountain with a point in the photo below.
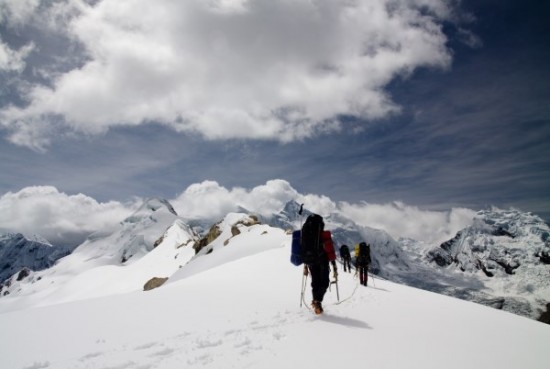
(154, 282)
(18, 251)
(501, 260)
(506, 251)
(153, 241)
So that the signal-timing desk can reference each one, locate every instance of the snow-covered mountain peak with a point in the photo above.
(499, 258)
(18, 252)
(292, 209)
(289, 217)
(512, 221)
(154, 242)
(506, 253)
(156, 206)
(494, 231)
(17, 237)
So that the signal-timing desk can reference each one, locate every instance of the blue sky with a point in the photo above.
(441, 107)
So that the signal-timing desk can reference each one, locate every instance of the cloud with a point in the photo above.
(56, 216)
(16, 12)
(264, 199)
(401, 220)
(398, 219)
(69, 219)
(255, 69)
(13, 13)
(13, 60)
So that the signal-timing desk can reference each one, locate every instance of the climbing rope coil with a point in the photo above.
(304, 286)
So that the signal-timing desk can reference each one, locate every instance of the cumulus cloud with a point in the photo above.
(401, 220)
(256, 69)
(56, 216)
(212, 201)
(69, 219)
(209, 200)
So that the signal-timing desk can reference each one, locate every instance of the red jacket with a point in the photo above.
(328, 245)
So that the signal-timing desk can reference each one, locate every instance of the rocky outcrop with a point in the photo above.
(159, 241)
(235, 231)
(545, 316)
(23, 273)
(544, 257)
(213, 233)
(154, 282)
(17, 277)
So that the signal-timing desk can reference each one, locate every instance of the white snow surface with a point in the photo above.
(239, 307)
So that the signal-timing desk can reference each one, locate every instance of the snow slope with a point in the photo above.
(156, 242)
(153, 242)
(238, 307)
(501, 260)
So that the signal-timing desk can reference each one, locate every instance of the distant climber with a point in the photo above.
(346, 257)
(362, 261)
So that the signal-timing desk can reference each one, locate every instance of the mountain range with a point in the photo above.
(500, 260)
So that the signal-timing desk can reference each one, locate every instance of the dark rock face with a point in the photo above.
(17, 253)
(545, 317)
(440, 257)
(25, 272)
(212, 234)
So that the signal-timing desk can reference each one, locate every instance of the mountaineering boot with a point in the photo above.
(317, 307)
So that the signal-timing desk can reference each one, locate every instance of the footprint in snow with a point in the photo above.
(145, 346)
(164, 352)
(38, 365)
(202, 344)
(91, 355)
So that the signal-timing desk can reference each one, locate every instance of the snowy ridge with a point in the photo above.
(387, 257)
(153, 242)
(498, 261)
(239, 306)
(501, 260)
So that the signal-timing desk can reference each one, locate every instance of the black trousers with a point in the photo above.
(347, 263)
(319, 279)
(363, 273)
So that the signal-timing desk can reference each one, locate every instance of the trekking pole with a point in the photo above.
(372, 276)
(335, 282)
(335, 273)
(304, 284)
